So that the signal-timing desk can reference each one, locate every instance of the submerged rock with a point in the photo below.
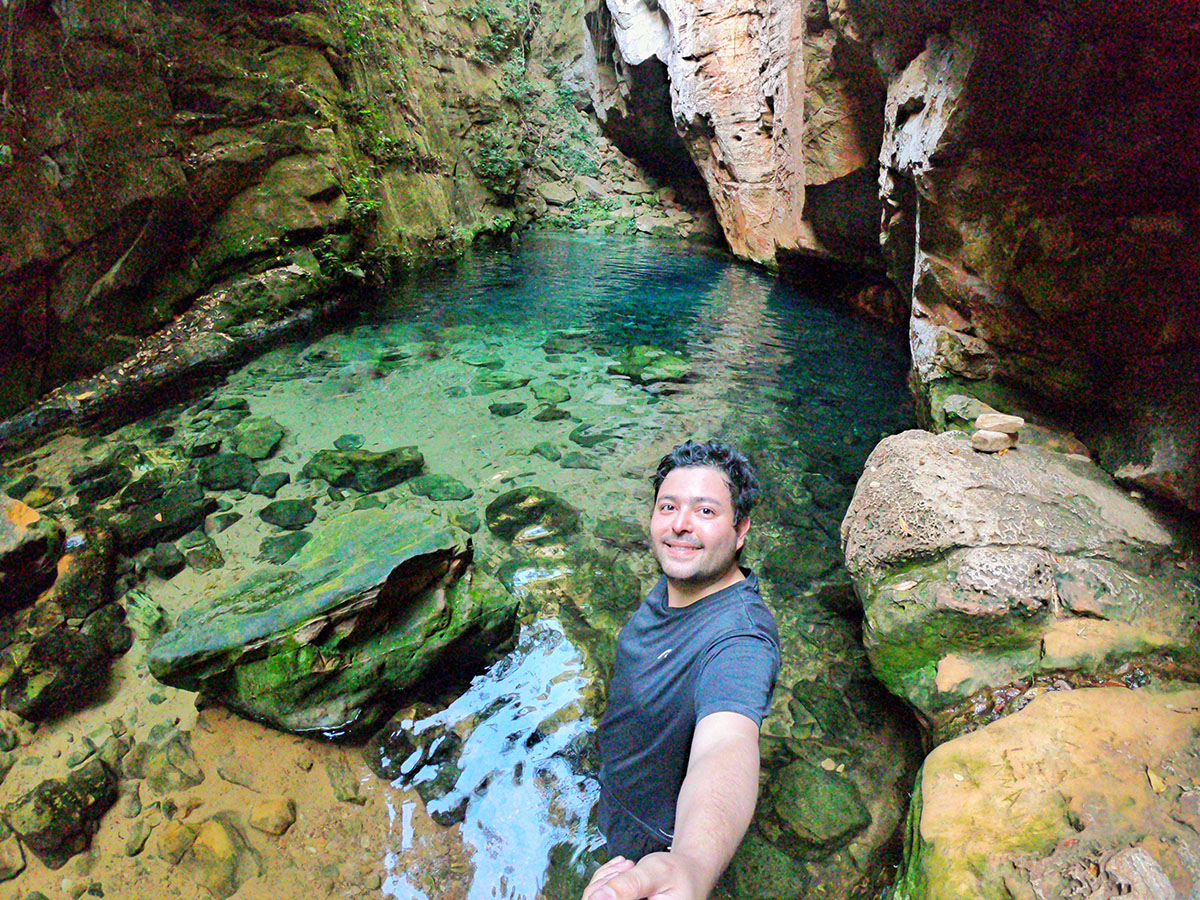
(257, 437)
(983, 573)
(550, 392)
(817, 807)
(368, 607)
(57, 818)
(290, 514)
(440, 487)
(219, 858)
(530, 514)
(365, 470)
(30, 545)
(165, 760)
(181, 508)
(643, 364)
(1084, 793)
(227, 472)
(551, 414)
(505, 410)
(491, 380)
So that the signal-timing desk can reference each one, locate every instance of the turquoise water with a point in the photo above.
(807, 389)
(505, 369)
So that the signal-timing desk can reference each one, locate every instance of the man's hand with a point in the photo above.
(658, 876)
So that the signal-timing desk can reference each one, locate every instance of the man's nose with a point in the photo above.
(682, 521)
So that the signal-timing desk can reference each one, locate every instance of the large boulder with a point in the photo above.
(982, 575)
(1088, 793)
(30, 545)
(368, 607)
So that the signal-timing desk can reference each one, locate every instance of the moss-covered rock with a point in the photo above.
(644, 364)
(365, 470)
(57, 818)
(1087, 793)
(366, 608)
(978, 572)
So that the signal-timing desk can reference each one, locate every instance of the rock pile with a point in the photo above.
(995, 432)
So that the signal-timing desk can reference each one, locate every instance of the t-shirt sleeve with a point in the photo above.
(738, 675)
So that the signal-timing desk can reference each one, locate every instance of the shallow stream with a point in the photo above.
(463, 361)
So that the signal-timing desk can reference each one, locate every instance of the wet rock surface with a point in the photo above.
(57, 819)
(364, 609)
(365, 470)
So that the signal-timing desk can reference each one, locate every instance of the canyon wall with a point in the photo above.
(1027, 174)
(236, 164)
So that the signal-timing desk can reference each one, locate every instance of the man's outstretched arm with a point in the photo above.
(714, 809)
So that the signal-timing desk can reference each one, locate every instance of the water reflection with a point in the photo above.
(519, 786)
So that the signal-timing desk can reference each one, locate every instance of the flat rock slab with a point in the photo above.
(365, 608)
(979, 572)
(1085, 793)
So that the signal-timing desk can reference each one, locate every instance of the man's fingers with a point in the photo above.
(607, 872)
(630, 885)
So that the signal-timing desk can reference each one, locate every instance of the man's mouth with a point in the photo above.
(678, 547)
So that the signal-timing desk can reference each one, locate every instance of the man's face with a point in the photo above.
(691, 528)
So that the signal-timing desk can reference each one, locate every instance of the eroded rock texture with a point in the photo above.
(985, 576)
(778, 110)
(1087, 793)
(231, 160)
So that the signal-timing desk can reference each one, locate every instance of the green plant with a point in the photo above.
(498, 161)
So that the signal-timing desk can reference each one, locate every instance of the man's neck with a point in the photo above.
(681, 594)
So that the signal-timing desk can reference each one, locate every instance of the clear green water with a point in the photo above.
(807, 389)
(802, 386)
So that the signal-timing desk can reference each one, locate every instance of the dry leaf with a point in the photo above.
(906, 585)
(1156, 781)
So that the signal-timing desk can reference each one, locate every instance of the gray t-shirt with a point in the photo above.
(674, 667)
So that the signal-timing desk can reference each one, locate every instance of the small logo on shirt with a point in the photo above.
(665, 654)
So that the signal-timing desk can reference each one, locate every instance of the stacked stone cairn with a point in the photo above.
(995, 432)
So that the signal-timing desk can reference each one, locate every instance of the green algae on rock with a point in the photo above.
(366, 608)
(817, 807)
(980, 571)
(57, 818)
(531, 514)
(644, 364)
(257, 437)
(365, 470)
(440, 487)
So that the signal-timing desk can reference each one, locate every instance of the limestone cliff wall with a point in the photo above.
(1029, 173)
(777, 109)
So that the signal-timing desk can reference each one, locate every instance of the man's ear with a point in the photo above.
(741, 530)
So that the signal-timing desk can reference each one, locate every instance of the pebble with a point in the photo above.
(999, 422)
(993, 441)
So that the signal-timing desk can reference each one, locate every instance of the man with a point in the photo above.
(696, 667)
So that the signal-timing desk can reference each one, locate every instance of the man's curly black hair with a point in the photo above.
(734, 465)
